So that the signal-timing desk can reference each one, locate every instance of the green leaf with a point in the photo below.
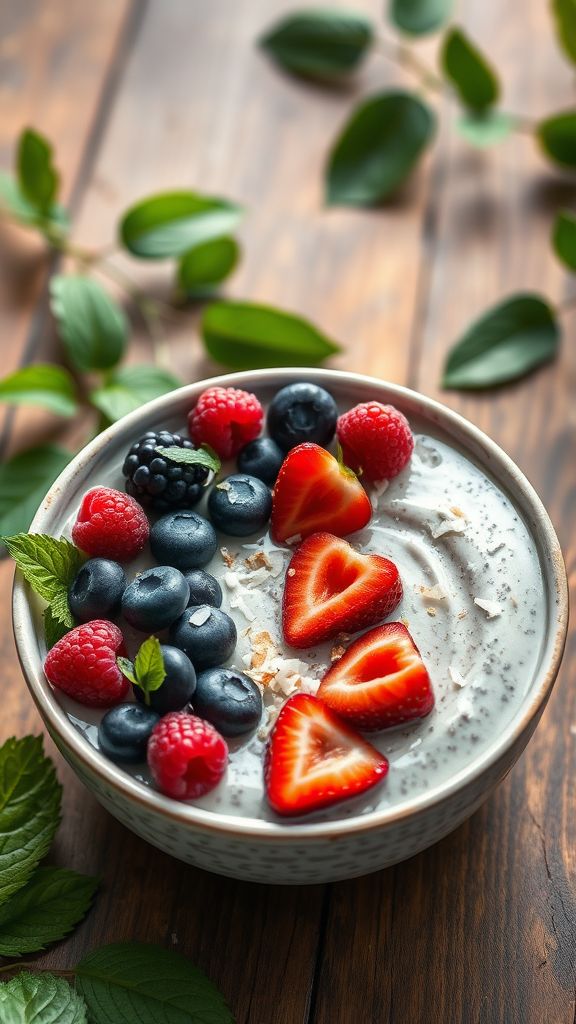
(92, 325)
(42, 384)
(378, 148)
(54, 630)
(48, 564)
(44, 910)
(564, 12)
(506, 342)
(485, 129)
(130, 387)
(40, 999)
(149, 665)
(37, 176)
(417, 17)
(24, 481)
(243, 335)
(470, 73)
(14, 202)
(206, 265)
(29, 810)
(557, 136)
(169, 224)
(128, 982)
(203, 456)
(319, 43)
(564, 238)
(127, 669)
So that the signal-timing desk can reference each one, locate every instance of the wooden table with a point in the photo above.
(138, 97)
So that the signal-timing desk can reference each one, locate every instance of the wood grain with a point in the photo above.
(480, 929)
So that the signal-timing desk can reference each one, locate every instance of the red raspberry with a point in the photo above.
(110, 524)
(83, 664)
(376, 439)
(226, 419)
(186, 756)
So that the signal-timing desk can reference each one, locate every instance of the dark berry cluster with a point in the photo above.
(157, 482)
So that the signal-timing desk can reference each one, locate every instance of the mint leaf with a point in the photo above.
(557, 137)
(127, 669)
(206, 265)
(38, 178)
(148, 671)
(29, 810)
(44, 910)
(40, 999)
(127, 982)
(417, 17)
(14, 202)
(24, 481)
(378, 148)
(168, 224)
(48, 564)
(129, 387)
(565, 16)
(93, 326)
(508, 341)
(470, 73)
(60, 609)
(564, 238)
(54, 630)
(46, 385)
(244, 335)
(322, 43)
(203, 456)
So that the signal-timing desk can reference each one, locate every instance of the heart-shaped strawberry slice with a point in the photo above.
(331, 588)
(380, 681)
(314, 491)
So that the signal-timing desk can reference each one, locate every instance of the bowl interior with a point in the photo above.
(512, 546)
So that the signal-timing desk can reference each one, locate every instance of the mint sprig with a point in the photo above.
(147, 671)
(30, 798)
(203, 456)
(49, 565)
(40, 998)
(46, 909)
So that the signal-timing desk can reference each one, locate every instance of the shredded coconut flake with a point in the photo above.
(238, 602)
(291, 572)
(227, 558)
(435, 593)
(231, 579)
(462, 614)
(337, 652)
(448, 526)
(431, 612)
(259, 560)
(496, 547)
(456, 511)
(200, 616)
(492, 608)
(254, 579)
(456, 677)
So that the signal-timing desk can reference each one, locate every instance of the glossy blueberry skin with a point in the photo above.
(183, 539)
(124, 731)
(208, 644)
(302, 412)
(96, 591)
(229, 700)
(155, 598)
(204, 588)
(261, 458)
(178, 687)
(240, 505)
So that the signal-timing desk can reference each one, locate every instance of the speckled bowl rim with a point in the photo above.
(487, 453)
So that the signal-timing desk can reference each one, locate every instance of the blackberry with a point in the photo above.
(157, 482)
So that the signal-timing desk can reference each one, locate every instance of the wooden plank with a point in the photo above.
(482, 928)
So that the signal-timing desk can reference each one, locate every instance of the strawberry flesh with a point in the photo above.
(315, 492)
(380, 681)
(331, 588)
(314, 759)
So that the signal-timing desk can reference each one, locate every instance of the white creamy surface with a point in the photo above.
(473, 602)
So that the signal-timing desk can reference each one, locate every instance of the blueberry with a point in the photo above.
(183, 539)
(178, 686)
(229, 700)
(302, 412)
(261, 458)
(96, 590)
(240, 505)
(124, 731)
(204, 588)
(207, 635)
(155, 598)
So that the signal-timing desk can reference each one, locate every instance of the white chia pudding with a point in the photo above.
(473, 602)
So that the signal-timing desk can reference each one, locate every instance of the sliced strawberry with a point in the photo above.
(331, 588)
(380, 681)
(316, 492)
(314, 759)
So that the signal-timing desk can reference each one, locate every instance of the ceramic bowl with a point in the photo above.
(276, 851)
